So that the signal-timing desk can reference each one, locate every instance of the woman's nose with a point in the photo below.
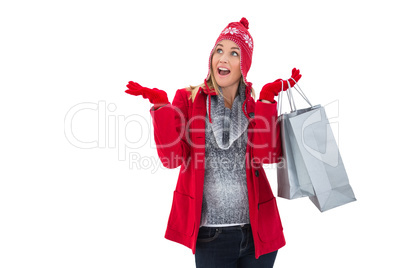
(223, 59)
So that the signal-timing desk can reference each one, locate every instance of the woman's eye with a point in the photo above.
(234, 53)
(219, 51)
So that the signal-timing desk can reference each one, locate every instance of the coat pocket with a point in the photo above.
(269, 222)
(181, 217)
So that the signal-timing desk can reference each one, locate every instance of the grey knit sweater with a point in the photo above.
(225, 199)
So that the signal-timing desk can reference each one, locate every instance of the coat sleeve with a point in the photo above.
(266, 141)
(169, 124)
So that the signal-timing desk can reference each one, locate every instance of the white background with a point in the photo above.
(65, 206)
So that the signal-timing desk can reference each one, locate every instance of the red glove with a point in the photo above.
(270, 90)
(155, 96)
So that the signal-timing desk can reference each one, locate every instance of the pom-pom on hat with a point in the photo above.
(238, 33)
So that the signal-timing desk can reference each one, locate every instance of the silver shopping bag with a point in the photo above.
(322, 160)
(293, 180)
(316, 153)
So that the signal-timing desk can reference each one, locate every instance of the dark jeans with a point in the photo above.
(229, 247)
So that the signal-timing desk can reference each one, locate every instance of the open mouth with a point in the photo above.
(223, 71)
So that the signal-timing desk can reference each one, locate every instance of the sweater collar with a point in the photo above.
(210, 92)
(227, 124)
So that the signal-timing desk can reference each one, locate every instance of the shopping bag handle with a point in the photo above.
(300, 91)
(290, 98)
(280, 97)
(292, 103)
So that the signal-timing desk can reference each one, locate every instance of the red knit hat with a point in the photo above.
(238, 33)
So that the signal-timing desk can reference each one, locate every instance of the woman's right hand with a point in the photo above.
(156, 96)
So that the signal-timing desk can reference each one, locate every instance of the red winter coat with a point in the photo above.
(180, 139)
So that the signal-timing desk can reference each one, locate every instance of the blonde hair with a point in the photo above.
(213, 85)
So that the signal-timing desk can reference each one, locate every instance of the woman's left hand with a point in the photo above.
(270, 90)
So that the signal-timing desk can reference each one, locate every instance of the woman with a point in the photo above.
(223, 206)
